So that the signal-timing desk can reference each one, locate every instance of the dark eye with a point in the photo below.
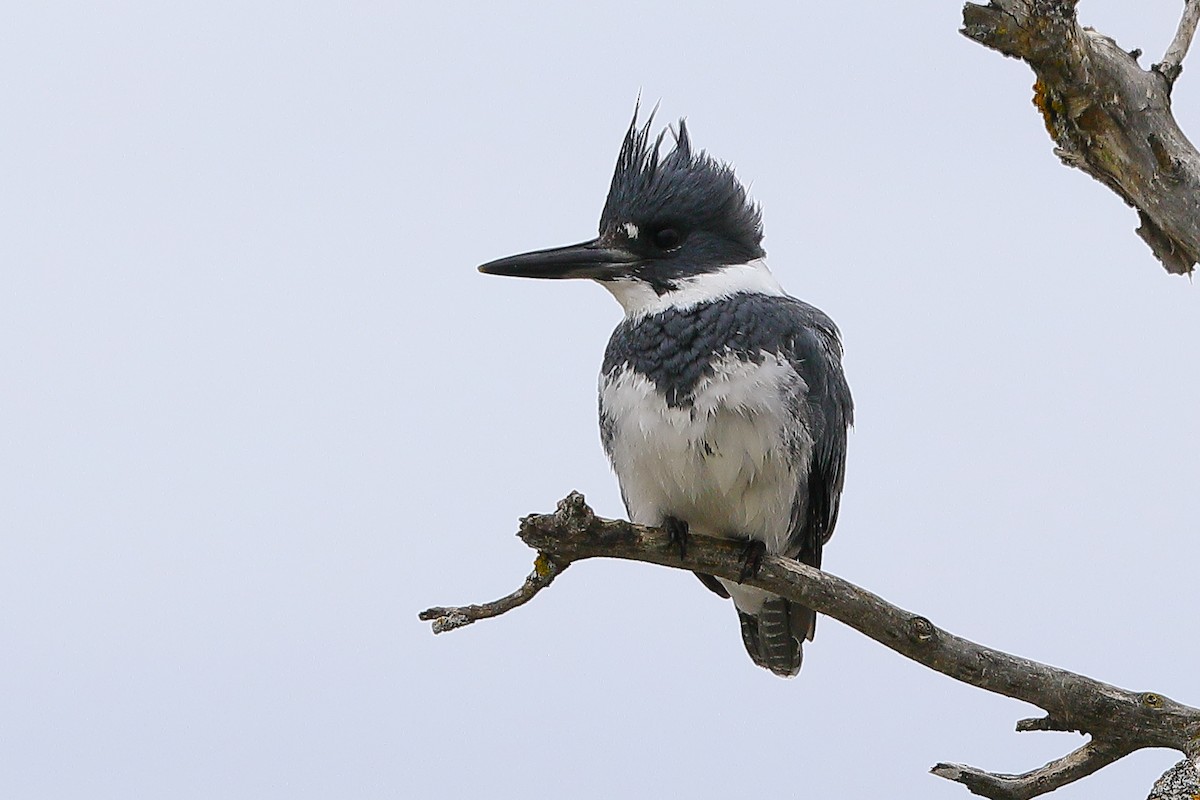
(666, 238)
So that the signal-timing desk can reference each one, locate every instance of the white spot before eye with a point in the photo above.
(631, 230)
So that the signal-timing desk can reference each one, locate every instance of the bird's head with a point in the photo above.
(666, 219)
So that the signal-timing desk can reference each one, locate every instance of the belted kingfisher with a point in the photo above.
(723, 406)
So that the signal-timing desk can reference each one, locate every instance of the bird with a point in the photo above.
(724, 408)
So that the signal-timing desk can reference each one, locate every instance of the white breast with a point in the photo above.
(727, 463)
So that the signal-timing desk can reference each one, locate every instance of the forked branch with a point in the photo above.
(1119, 721)
(1106, 114)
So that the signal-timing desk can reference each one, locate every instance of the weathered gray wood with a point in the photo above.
(1119, 721)
(1107, 115)
(545, 570)
(1172, 63)
(1078, 764)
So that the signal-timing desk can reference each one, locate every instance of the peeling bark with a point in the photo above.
(1106, 114)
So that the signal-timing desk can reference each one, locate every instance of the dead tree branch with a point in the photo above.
(1119, 721)
(545, 570)
(1172, 63)
(1108, 116)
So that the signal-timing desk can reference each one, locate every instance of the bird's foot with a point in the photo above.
(677, 534)
(752, 556)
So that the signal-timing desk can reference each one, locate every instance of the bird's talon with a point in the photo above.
(752, 556)
(677, 534)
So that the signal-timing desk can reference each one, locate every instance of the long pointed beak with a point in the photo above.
(590, 259)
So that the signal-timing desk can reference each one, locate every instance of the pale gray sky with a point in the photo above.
(257, 408)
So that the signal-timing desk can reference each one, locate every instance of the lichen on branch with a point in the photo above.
(1107, 115)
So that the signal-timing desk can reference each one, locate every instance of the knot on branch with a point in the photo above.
(1170, 72)
(921, 630)
(1152, 700)
(558, 536)
(574, 513)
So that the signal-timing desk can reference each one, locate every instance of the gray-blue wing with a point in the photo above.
(826, 410)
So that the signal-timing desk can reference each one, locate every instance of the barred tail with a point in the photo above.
(774, 635)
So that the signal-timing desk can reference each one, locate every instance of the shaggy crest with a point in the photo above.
(684, 186)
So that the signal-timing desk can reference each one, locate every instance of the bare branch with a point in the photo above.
(1060, 772)
(1046, 723)
(1172, 63)
(1107, 116)
(545, 570)
(1119, 721)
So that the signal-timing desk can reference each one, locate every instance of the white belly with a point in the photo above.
(726, 463)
